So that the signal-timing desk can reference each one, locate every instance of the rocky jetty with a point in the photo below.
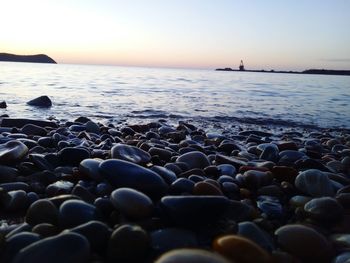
(81, 191)
(40, 58)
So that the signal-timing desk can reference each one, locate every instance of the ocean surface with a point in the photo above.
(115, 94)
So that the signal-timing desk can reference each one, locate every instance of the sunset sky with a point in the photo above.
(269, 34)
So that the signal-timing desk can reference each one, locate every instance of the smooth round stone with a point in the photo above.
(31, 129)
(194, 210)
(254, 179)
(128, 243)
(182, 185)
(92, 127)
(162, 153)
(240, 249)
(76, 212)
(73, 156)
(17, 201)
(14, 186)
(186, 255)
(270, 206)
(42, 211)
(325, 209)
(342, 258)
(290, 156)
(45, 230)
(7, 174)
(251, 231)
(42, 101)
(130, 153)
(12, 152)
(132, 203)
(168, 176)
(314, 183)
(204, 188)
(66, 247)
(89, 167)
(16, 242)
(269, 152)
(47, 142)
(194, 159)
(28, 142)
(171, 238)
(227, 169)
(40, 162)
(299, 201)
(304, 243)
(121, 173)
(96, 232)
(59, 188)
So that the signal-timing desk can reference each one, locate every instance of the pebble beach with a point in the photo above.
(84, 191)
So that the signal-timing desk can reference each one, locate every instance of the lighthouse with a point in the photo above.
(241, 66)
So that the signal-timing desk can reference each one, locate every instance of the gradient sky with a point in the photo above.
(267, 34)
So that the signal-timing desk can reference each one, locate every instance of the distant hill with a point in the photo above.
(40, 58)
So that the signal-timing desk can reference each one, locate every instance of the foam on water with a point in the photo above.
(108, 92)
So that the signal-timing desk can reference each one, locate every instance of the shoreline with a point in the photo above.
(305, 72)
(80, 181)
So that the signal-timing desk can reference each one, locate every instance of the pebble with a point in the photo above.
(314, 183)
(128, 243)
(76, 212)
(32, 129)
(194, 159)
(126, 174)
(66, 247)
(131, 154)
(304, 243)
(132, 203)
(42, 211)
(12, 151)
(324, 209)
(186, 255)
(73, 156)
(90, 168)
(240, 249)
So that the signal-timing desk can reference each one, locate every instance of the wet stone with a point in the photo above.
(314, 183)
(130, 153)
(131, 203)
(31, 129)
(324, 209)
(73, 156)
(186, 255)
(12, 151)
(42, 211)
(304, 243)
(66, 247)
(240, 249)
(90, 168)
(76, 212)
(194, 159)
(125, 174)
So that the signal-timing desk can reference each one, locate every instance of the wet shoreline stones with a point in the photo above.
(83, 191)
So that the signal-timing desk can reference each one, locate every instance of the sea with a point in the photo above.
(213, 99)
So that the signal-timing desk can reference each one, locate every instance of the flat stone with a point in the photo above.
(73, 156)
(96, 232)
(90, 168)
(121, 173)
(194, 159)
(240, 249)
(237, 163)
(19, 123)
(132, 203)
(324, 209)
(66, 247)
(12, 151)
(168, 176)
(130, 153)
(290, 156)
(314, 183)
(186, 255)
(128, 243)
(42, 211)
(76, 212)
(31, 129)
(304, 243)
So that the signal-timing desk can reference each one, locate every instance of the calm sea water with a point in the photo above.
(118, 93)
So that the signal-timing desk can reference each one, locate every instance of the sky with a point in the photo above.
(266, 34)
